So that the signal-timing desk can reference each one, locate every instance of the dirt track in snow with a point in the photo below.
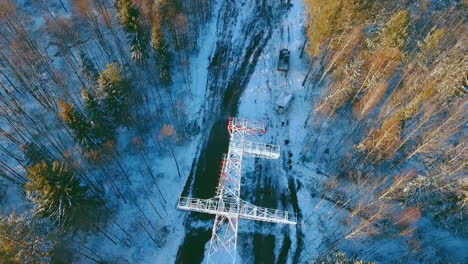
(232, 63)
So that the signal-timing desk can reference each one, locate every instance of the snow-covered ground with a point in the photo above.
(287, 130)
(287, 183)
(279, 178)
(169, 230)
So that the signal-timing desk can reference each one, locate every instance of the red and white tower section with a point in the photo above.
(227, 205)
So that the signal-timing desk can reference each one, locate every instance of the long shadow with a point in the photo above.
(206, 178)
(207, 168)
(192, 250)
(264, 249)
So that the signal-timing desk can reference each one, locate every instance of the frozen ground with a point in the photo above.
(169, 230)
(283, 183)
(156, 231)
(286, 178)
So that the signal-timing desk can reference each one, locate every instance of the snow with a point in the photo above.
(267, 84)
(289, 180)
(320, 219)
(283, 100)
(170, 229)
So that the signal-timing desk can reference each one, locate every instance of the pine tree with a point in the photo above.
(33, 154)
(432, 40)
(169, 8)
(138, 46)
(102, 125)
(395, 32)
(338, 257)
(382, 62)
(78, 124)
(88, 69)
(430, 48)
(163, 56)
(58, 196)
(128, 15)
(115, 90)
(329, 18)
(24, 241)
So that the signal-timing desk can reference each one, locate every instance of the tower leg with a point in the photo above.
(223, 240)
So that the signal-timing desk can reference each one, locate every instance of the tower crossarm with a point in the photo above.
(227, 205)
(210, 206)
(246, 126)
(231, 209)
(253, 212)
(261, 150)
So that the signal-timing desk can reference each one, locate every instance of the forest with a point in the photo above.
(110, 110)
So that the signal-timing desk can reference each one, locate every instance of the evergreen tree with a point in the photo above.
(33, 154)
(163, 56)
(169, 8)
(115, 89)
(330, 18)
(58, 196)
(395, 32)
(338, 257)
(88, 69)
(24, 241)
(79, 125)
(432, 40)
(128, 15)
(102, 125)
(138, 46)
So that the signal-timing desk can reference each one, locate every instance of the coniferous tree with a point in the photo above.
(163, 56)
(102, 125)
(330, 18)
(173, 14)
(169, 8)
(115, 90)
(139, 46)
(128, 15)
(395, 32)
(33, 154)
(58, 196)
(24, 241)
(383, 62)
(81, 127)
(338, 257)
(88, 69)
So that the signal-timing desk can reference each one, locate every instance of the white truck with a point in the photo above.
(283, 102)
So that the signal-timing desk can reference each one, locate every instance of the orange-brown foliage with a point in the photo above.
(82, 8)
(66, 111)
(7, 9)
(370, 100)
(384, 142)
(409, 216)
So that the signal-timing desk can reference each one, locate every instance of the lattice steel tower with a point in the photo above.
(227, 205)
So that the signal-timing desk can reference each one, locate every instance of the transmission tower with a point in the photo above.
(227, 205)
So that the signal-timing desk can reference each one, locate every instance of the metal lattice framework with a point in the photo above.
(227, 205)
